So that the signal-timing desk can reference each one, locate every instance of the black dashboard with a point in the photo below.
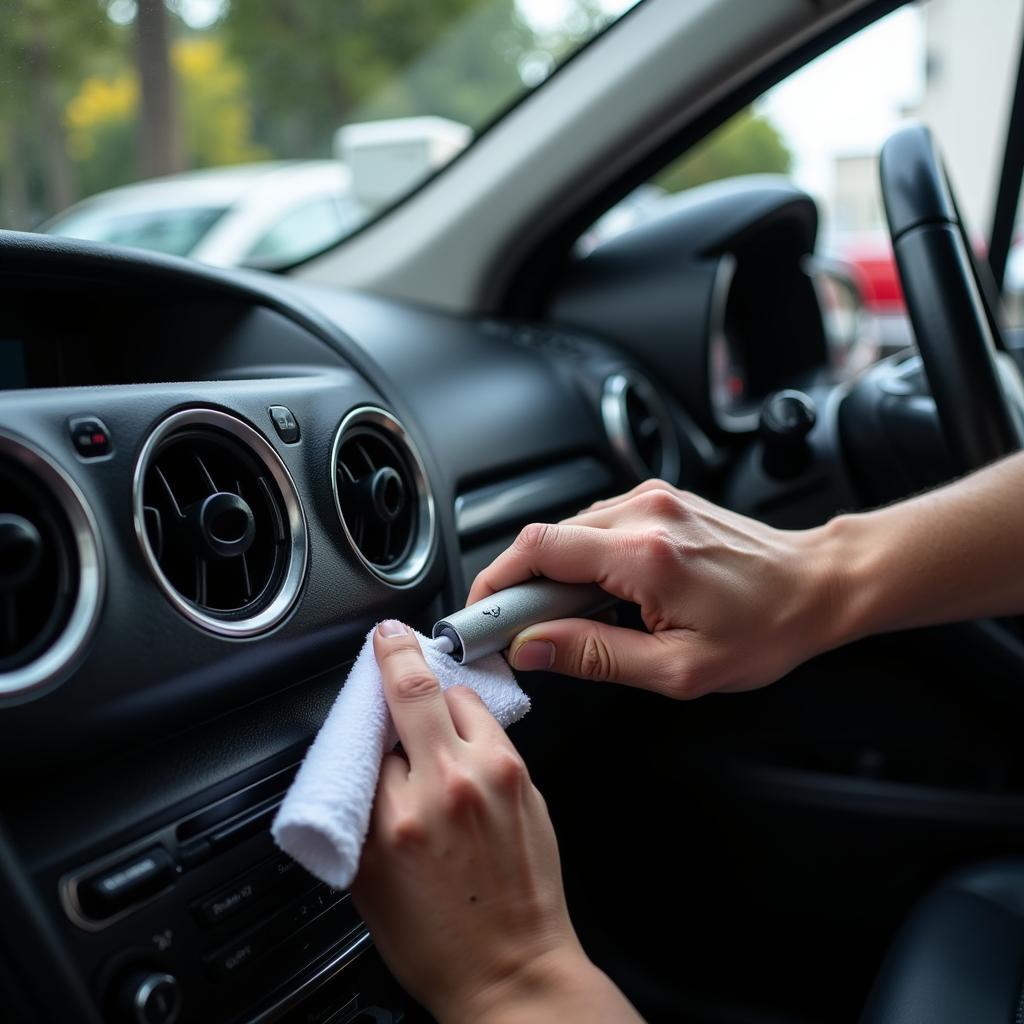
(213, 484)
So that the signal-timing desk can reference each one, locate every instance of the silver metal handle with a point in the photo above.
(491, 625)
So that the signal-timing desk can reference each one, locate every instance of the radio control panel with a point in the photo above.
(202, 919)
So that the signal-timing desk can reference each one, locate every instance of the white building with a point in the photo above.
(972, 48)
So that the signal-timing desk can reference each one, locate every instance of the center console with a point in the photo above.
(199, 917)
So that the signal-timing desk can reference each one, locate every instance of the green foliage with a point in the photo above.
(100, 120)
(214, 92)
(102, 116)
(277, 78)
(45, 48)
(746, 144)
(471, 73)
(315, 64)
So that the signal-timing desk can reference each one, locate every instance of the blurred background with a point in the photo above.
(263, 131)
(96, 94)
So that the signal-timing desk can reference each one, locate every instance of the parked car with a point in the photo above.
(263, 214)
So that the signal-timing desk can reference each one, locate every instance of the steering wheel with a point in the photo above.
(975, 390)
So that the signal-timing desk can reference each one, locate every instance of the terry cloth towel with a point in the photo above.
(325, 815)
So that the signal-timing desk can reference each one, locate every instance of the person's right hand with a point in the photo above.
(731, 604)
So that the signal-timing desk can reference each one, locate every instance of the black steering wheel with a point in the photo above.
(957, 333)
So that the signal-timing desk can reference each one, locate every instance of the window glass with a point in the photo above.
(96, 95)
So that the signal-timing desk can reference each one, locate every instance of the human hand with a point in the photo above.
(459, 879)
(731, 604)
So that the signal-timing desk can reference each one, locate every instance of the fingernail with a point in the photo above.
(534, 655)
(391, 628)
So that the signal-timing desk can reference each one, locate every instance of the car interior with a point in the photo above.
(192, 550)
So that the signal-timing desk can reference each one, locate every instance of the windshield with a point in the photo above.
(98, 96)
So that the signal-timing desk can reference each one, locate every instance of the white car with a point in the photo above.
(266, 214)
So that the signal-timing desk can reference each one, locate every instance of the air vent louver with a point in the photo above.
(50, 575)
(38, 567)
(639, 426)
(220, 522)
(382, 495)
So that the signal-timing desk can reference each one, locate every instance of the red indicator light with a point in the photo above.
(99, 439)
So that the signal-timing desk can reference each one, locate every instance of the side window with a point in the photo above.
(948, 63)
(303, 230)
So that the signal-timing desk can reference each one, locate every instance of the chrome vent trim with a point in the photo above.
(623, 393)
(290, 581)
(413, 562)
(54, 663)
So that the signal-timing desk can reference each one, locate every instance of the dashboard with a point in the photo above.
(212, 484)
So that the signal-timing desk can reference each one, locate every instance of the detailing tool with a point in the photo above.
(490, 625)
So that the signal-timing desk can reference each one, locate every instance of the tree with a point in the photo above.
(102, 116)
(314, 63)
(160, 146)
(101, 119)
(215, 101)
(44, 47)
(470, 74)
(746, 144)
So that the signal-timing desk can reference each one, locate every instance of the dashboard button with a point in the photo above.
(229, 960)
(232, 899)
(102, 895)
(285, 423)
(90, 437)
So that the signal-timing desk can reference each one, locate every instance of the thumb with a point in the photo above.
(592, 650)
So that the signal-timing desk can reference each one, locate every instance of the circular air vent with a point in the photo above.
(50, 570)
(639, 426)
(383, 499)
(219, 522)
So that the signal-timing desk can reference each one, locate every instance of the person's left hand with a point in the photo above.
(459, 880)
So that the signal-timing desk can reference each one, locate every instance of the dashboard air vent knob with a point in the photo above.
(50, 571)
(215, 521)
(38, 571)
(220, 522)
(21, 551)
(382, 495)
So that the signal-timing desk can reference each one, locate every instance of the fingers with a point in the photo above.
(594, 650)
(414, 697)
(570, 554)
(642, 488)
(394, 775)
(598, 518)
(473, 722)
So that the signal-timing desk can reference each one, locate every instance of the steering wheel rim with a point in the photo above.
(956, 335)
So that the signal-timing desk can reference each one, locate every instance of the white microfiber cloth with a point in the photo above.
(325, 815)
